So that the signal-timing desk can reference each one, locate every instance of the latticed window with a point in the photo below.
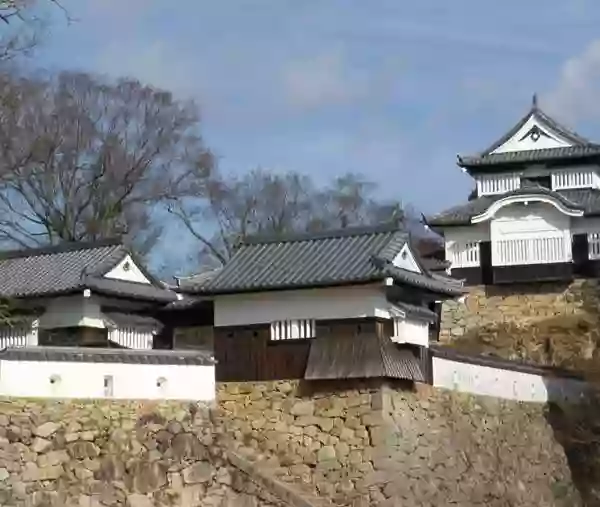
(299, 329)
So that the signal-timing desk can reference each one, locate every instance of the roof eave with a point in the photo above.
(476, 165)
(228, 291)
(449, 223)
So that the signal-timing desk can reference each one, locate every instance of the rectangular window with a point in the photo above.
(194, 338)
(593, 240)
(542, 181)
(293, 330)
(108, 386)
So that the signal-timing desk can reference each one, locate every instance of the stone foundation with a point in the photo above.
(547, 323)
(379, 445)
(107, 454)
(285, 443)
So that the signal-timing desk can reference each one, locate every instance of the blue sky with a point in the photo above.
(390, 89)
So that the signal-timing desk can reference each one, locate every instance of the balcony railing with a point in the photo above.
(543, 250)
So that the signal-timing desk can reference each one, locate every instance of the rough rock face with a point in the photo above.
(375, 445)
(551, 323)
(355, 445)
(118, 454)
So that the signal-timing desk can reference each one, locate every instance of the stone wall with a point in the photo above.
(373, 445)
(547, 323)
(287, 443)
(124, 454)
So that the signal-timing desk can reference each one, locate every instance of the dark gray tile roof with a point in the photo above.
(528, 156)
(120, 288)
(586, 199)
(97, 355)
(185, 303)
(434, 282)
(197, 281)
(348, 256)
(418, 312)
(69, 267)
(581, 147)
(433, 264)
(133, 320)
(360, 356)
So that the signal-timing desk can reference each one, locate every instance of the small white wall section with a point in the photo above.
(521, 141)
(128, 271)
(502, 383)
(32, 379)
(411, 331)
(72, 311)
(406, 260)
(329, 303)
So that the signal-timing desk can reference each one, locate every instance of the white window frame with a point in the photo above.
(296, 329)
(593, 245)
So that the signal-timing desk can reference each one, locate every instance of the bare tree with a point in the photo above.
(84, 158)
(264, 202)
(21, 25)
(351, 200)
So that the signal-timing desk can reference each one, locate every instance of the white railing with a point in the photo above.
(132, 338)
(21, 335)
(594, 245)
(497, 184)
(293, 329)
(546, 250)
(13, 337)
(572, 179)
(462, 254)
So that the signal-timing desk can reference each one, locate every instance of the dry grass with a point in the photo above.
(570, 341)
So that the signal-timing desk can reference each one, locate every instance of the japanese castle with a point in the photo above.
(535, 212)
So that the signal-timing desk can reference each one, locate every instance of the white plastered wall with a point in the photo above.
(47, 379)
(329, 303)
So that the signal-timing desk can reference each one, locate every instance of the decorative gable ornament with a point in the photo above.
(534, 134)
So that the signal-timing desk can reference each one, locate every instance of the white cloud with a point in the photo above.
(321, 80)
(577, 93)
(155, 64)
(116, 11)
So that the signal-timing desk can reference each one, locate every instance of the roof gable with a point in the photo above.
(535, 131)
(536, 136)
(74, 266)
(127, 270)
(406, 260)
